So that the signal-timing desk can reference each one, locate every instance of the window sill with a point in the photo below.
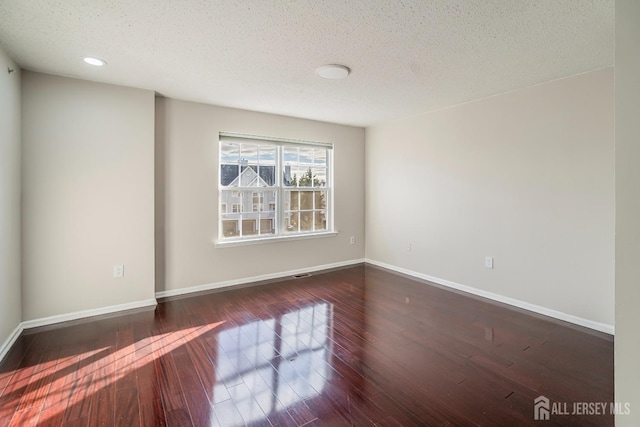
(260, 240)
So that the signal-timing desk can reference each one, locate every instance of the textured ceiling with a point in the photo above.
(406, 57)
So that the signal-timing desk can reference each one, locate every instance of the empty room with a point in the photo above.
(269, 213)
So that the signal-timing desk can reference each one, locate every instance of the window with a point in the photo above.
(275, 187)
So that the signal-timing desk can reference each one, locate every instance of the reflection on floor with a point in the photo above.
(268, 365)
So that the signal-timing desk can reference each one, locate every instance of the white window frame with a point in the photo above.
(279, 221)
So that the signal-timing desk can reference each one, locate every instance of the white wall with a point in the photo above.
(627, 343)
(186, 196)
(526, 177)
(10, 161)
(88, 195)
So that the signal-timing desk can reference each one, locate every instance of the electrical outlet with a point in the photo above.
(118, 271)
(352, 240)
(488, 262)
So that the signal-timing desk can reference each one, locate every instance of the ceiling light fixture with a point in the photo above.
(96, 62)
(333, 71)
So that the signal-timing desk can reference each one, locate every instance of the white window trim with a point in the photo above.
(272, 239)
(220, 242)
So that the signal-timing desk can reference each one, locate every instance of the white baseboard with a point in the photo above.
(602, 327)
(8, 343)
(45, 321)
(246, 280)
(51, 320)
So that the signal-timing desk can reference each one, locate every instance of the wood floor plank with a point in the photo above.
(127, 409)
(151, 414)
(103, 407)
(11, 362)
(62, 381)
(196, 399)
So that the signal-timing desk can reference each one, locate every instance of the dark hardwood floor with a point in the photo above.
(352, 347)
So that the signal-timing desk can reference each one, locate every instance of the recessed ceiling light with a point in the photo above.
(97, 62)
(333, 71)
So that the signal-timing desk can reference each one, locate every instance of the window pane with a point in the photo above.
(265, 176)
(230, 228)
(320, 157)
(305, 156)
(267, 165)
(257, 202)
(304, 177)
(295, 176)
(267, 226)
(268, 201)
(229, 153)
(320, 200)
(267, 155)
(251, 174)
(230, 201)
(291, 200)
(306, 200)
(229, 163)
(287, 176)
(291, 222)
(249, 227)
(319, 177)
(248, 154)
(306, 221)
(290, 155)
(320, 220)
(229, 175)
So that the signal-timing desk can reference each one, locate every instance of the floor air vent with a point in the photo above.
(301, 275)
